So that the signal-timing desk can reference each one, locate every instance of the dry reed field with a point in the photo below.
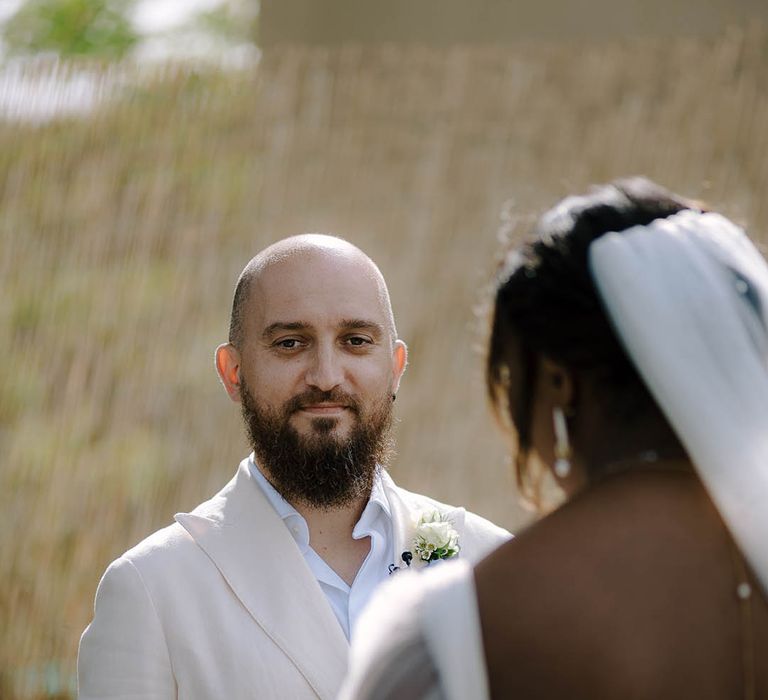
(122, 234)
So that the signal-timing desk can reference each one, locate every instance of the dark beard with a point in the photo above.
(318, 470)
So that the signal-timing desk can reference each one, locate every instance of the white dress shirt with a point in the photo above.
(375, 522)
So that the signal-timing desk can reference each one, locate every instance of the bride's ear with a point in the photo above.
(557, 382)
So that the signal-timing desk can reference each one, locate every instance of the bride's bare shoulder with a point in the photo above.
(621, 578)
(631, 518)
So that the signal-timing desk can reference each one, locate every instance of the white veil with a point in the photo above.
(688, 297)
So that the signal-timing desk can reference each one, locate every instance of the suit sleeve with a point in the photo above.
(123, 652)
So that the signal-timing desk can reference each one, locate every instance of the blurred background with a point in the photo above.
(149, 148)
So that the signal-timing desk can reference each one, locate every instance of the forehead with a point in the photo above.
(316, 288)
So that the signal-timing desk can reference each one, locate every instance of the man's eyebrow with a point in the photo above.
(273, 328)
(361, 324)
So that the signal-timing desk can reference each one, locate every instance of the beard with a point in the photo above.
(319, 470)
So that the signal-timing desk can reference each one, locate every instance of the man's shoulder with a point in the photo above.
(475, 526)
(161, 549)
(171, 545)
(417, 501)
(176, 539)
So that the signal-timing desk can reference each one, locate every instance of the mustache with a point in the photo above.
(312, 397)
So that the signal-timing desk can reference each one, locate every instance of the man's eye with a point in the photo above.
(287, 344)
(358, 341)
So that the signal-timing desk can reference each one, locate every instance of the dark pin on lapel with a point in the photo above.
(407, 557)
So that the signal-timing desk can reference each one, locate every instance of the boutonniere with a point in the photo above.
(434, 539)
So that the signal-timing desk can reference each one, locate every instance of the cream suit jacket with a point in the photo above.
(221, 604)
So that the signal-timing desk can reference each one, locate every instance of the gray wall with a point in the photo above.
(440, 22)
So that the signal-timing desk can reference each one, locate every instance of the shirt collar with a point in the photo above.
(283, 508)
(378, 498)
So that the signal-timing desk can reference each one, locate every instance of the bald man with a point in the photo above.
(253, 594)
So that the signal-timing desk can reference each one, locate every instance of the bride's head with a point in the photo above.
(557, 373)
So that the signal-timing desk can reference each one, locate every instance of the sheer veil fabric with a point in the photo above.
(688, 297)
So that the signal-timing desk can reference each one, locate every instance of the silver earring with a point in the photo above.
(562, 444)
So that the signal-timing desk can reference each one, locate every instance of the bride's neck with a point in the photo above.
(612, 445)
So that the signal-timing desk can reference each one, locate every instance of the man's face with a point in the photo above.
(317, 370)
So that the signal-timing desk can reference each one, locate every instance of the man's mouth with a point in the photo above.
(324, 409)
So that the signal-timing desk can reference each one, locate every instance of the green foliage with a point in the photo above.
(227, 23)
(98, 28)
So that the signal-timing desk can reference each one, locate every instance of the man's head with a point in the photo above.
(314, 360)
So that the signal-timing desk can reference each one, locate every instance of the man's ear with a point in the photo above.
(400, 360)
(557, 383)
(228, 367)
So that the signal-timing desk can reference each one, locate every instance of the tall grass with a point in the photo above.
(121, 236)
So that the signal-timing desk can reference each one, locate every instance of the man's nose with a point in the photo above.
(326, 371)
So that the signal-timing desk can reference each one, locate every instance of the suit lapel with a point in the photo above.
(405, 508)
(250, 545)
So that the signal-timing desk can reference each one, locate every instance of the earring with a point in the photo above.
(562, 444)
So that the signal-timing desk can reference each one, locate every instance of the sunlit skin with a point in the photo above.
(318, 319)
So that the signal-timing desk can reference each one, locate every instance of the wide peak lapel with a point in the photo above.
(250, 545)
(406, 507)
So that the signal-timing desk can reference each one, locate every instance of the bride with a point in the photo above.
(628, 356)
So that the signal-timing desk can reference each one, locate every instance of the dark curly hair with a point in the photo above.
(546, 300)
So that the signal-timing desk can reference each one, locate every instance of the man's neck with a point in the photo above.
(339, 521)
(330, 535)
(330, 532)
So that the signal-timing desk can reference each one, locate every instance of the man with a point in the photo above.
(253, 594)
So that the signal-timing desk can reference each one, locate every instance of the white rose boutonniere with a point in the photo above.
(435, 537)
